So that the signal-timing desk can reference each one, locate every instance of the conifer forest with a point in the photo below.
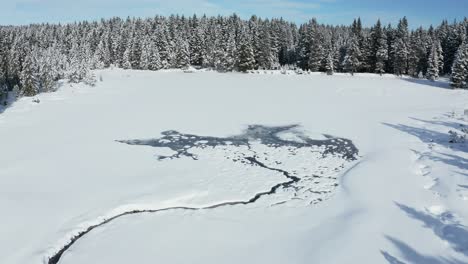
(34, 57)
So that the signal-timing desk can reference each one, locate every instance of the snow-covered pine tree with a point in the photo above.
(451, 37)
(101, 56)
(79, 64)
(364, 45)
(401, 57)
(390, 34)
(136, 44)
(116, 44)
(182, 53)
(417, 55)
(263, 56)
(3, 62)
(28, 78)
(197, 38)
(329, 66)
(162, 43)
(400, 48)
(272, 42)
(218, 50)
(381, 55)
(303, 47)
(3, 86)
(229, 59)
(145, 56)
(459, 78)
(367, 55)
(15, 56)
(126, 63)
(155, 59)
(74, 64)
(245, 53)
(379, 48)
(433, 68)
(255, 39)
(351, 61)
(47, 69)
(316, 55)
(440, 52)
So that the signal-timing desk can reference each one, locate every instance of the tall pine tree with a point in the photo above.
(351, 61)
(245, 53)
(433, 69)
(459, 77)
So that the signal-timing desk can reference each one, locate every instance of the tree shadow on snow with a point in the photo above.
(390, 259)
(454, 234)
(449, 125)
(448, 159)
(412, 256)
(7, 102)
(437, 83)
(425, 135)
(3, 107)
(428, 136)
(435, 137)
(431, 136)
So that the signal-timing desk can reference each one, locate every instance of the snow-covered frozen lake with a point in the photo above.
(252, 168)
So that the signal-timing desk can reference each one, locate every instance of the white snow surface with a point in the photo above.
(405, 200)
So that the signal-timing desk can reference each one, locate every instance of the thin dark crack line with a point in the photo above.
(292, 179)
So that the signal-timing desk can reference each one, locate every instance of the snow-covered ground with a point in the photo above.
(404, 199)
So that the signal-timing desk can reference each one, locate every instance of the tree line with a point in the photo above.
(34, 57)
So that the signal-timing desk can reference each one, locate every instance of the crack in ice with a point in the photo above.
(268, 136)
(57, 256)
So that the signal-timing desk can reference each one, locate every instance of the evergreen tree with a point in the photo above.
(330, 68)
(135, 45)
(126, 64)
(28, 80)
(400, 48)
(451, 37)
(390, 34)
(316, 55)
(155, 59)
(182, 54)
(440, 53)
(381, 55)
(459, 77)
(303, 49)
(316, 50)
(162, 43)
(401, 57)
(229, 58)
(33, 58)
(351, 61)
(246, 56)
(264, 50)
(79, 65)
(101, 57)
(145, 56)
(379, 49)
(3, 86)
(48, 68)
(417, 57)
(433, 69)
(197, 44)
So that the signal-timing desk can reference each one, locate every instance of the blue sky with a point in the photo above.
(419, 12)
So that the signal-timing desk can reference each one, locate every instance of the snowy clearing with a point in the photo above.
(377, 179)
